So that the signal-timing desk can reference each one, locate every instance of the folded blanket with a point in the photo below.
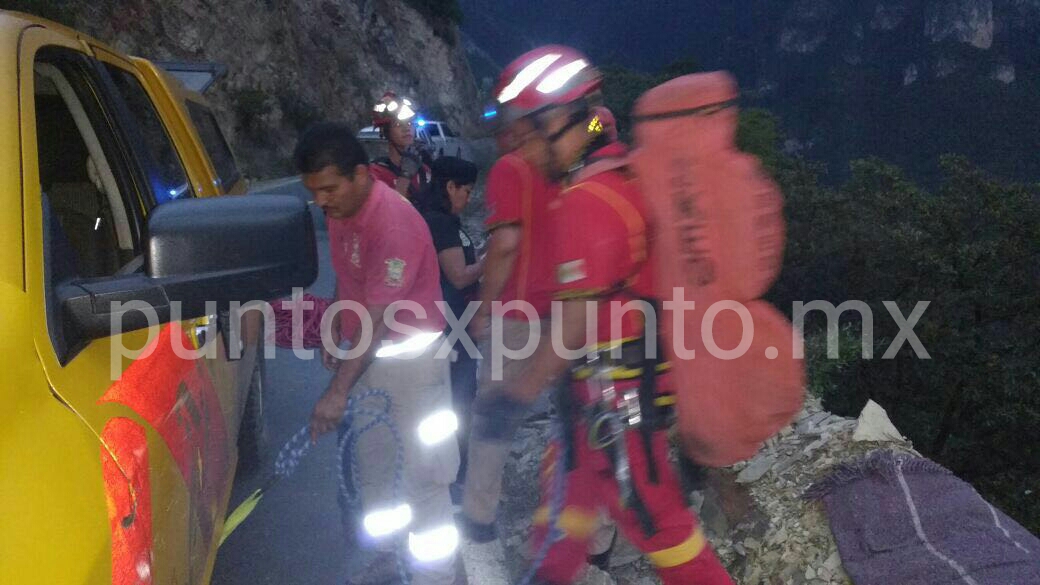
(904, 520)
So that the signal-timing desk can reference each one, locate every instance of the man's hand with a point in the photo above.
(328, 412)
(410, 164)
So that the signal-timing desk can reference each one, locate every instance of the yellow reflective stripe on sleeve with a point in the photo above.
(574, 522)
(666, 400)
(681, 553)
(618, 373)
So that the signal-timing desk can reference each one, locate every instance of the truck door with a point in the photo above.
(88, 184)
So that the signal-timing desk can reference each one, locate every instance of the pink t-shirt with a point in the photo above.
(384, 254)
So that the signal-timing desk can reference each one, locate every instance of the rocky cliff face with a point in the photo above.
(906, 80)
(291, 62)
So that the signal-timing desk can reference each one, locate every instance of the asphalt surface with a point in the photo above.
(294, 536)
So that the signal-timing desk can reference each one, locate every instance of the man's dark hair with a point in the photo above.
(329, 143)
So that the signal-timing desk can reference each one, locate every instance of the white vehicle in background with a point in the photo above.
(437, 137)
(442, 139)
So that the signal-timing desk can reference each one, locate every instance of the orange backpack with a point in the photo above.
(718, 228)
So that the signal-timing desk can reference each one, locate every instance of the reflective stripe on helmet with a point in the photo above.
(557, 79)
(526, 77)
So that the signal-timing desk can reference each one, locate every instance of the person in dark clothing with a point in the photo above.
(461, 269)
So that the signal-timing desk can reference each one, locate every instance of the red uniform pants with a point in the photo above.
(678, 549)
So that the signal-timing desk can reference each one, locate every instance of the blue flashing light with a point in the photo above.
(421, 122)
(490, 113)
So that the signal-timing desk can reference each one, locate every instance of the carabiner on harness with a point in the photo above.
(607, 427)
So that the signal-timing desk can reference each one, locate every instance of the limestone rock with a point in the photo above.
(967, 21)
(874, 425)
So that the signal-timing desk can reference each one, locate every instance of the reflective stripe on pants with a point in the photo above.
(678, 549)
(418, 387)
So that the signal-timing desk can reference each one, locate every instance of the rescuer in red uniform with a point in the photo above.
(402, 169)
(614, 447)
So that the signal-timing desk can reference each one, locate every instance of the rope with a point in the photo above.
(556, 502)
(348, 444)
(297, 447)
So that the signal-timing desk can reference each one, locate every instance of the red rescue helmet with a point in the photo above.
(391, 109)
(549, 76)
(606, 122)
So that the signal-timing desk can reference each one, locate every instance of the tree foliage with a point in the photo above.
(971, 248)
(60, 11)
(623, 86)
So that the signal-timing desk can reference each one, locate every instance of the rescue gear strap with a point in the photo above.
(681, 553)
(567, 412)
(647, 392)
(705, 110)
(634, 500)
(628, 366)
(637, 243)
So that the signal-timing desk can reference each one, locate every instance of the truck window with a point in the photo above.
(87, 215)
(167, 176)
(89, 222)
(215, 144)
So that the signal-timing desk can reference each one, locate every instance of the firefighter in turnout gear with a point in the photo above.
(614, 448)
(403, 168)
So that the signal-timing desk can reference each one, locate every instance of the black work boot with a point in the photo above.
(475, 531)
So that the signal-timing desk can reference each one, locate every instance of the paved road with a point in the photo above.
(294, 536)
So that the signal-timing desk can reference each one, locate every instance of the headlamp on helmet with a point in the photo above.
(393, 110)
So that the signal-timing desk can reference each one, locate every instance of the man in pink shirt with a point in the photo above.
(387, 287)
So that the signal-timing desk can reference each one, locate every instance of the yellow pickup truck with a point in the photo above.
(129, 385)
